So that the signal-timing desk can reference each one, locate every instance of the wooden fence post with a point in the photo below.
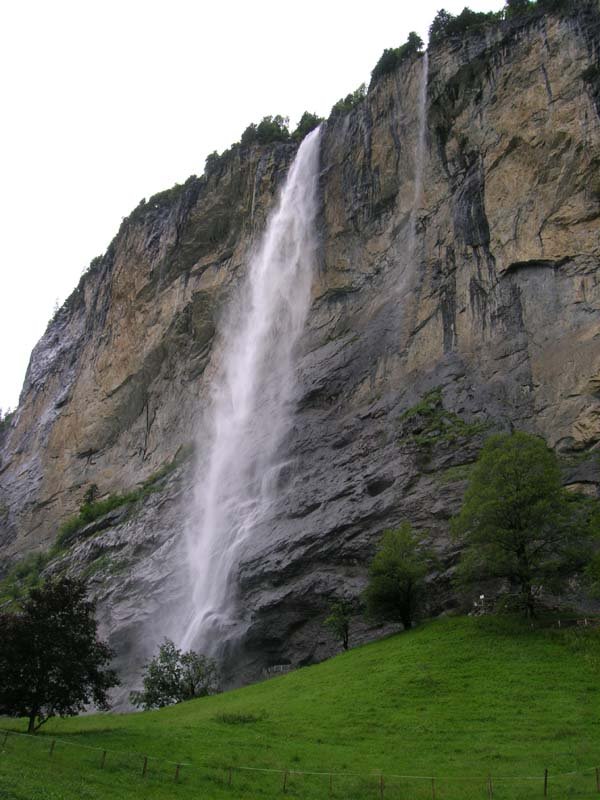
(490, 787)
(433, 789)
(330, 784)
(52, 747)
(285, 777)
(103, 759)
(5, 739)
(598, 779)
(145, 767)
(381, 786)
(545, 783)
(176, 779)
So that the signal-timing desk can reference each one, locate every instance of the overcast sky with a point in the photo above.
(105, 102)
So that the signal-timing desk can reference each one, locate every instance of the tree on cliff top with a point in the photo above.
(396, 588)
(392, 57)
(51, 661)
(518, 523)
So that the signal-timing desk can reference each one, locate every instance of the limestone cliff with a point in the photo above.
(485, 290)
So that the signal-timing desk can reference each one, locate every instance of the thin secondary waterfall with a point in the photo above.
(252, 403)
(419, 154)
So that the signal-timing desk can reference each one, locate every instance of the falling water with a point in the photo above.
(253, 398)
(419, 155)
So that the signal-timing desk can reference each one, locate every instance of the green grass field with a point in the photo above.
(459, 699)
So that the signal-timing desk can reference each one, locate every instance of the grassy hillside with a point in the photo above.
(458, 699)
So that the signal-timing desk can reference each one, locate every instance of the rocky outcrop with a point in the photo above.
(474, 273)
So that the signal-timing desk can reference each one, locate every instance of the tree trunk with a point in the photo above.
(529, 601)
(31, 726)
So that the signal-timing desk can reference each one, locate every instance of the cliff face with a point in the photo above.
(471, 270)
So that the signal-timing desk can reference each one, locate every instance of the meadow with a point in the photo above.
(457, 708)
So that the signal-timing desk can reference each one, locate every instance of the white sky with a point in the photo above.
(104, 102)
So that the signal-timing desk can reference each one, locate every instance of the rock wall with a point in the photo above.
(485, 291)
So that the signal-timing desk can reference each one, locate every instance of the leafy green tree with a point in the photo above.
(393, 57)
(339, 620)
(516, 8)
(51, 661)
(308, 122)
(248, 137)
(518, 523)
(446, 25)
(346, 104)
(439, 27)
(173, 676)
(396, 588)
(212, 162)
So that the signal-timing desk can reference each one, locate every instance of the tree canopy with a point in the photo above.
(518, 523)
(308, 122)
(173, 676)
(338, 621)
(396, 588)
(392, 57)
(51, 660)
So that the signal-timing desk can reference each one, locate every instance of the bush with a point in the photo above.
(396, 588)
(173, 676)
(91, 510)
(346, 104)
(393, 57)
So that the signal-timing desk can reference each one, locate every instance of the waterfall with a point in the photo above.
(419, 154)
(253, 395)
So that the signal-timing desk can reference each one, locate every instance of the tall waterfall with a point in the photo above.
(253, 397)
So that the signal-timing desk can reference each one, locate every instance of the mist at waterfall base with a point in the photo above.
(252, 405)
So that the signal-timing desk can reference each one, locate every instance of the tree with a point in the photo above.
(308, 122)
(439, 27)
(338, 620)
(173, 676)
(397, 574)
(515, 8)
(51, 661)
(346, 104)
(391, 58)
(518, 523)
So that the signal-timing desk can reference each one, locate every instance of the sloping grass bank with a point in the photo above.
(458, 699)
